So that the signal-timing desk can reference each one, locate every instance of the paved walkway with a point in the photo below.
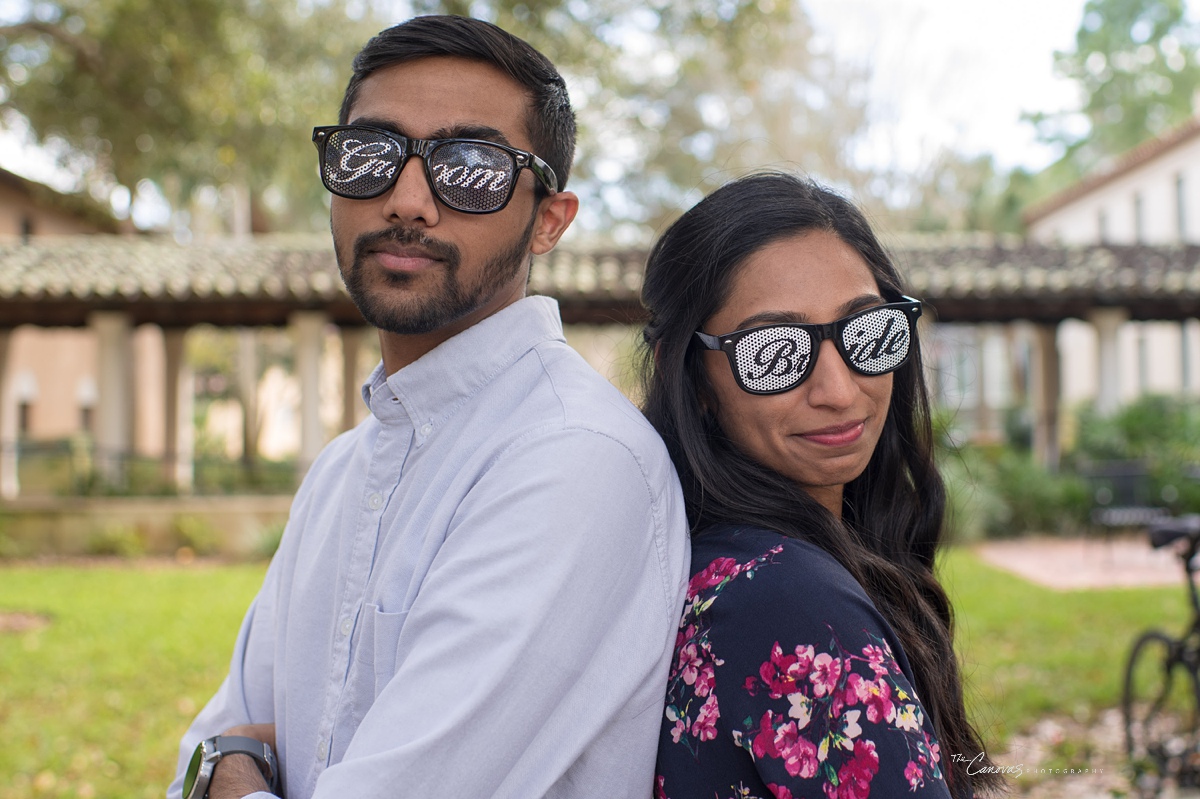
(1072, 563)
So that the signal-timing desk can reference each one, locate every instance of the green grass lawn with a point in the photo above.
(94, 704)
(1029, 651)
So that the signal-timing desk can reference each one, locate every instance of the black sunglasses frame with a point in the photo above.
(424, 148)
(832, 330)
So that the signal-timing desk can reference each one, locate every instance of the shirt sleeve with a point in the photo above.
(787, 683)
(544, 621)
(246, 695)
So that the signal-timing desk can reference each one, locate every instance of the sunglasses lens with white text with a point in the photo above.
(768, 360)
(360, 163)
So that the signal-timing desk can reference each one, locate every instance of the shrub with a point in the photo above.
(196, 533)
(999, 492)
(116, 539)
(1034, 499)
(268, 540)
(1161, 432)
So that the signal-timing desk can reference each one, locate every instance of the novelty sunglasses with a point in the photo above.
(476, 177)
(775, 358)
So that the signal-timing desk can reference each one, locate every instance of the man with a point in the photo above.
(478, 589)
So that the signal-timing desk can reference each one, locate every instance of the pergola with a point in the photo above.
(112, 284)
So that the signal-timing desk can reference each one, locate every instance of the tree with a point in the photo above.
(210, 93)
(1137, 65)
(957, 193)
(675, 98)
(187, 94)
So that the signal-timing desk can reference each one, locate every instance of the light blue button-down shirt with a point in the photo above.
(478, 588)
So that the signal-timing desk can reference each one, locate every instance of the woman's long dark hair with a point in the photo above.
(892, 514)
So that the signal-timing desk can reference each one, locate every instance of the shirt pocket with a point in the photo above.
(375, 658)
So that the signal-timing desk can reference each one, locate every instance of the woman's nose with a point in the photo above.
(832, 383)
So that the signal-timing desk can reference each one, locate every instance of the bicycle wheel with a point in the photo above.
(1158, 702)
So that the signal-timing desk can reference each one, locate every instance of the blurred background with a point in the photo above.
(176, 345)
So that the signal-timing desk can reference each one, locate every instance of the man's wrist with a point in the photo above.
(236, 776)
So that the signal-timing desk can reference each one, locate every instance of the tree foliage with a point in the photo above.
(186, 94)
(960, 193)
(211, 92)
(1137, 66)
(675, 98)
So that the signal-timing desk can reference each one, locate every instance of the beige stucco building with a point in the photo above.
(1148, 197)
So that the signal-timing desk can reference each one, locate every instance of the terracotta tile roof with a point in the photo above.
(1144, 152)
(58, 281)
(80, 206)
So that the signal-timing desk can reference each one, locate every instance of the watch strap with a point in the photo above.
(259, 750)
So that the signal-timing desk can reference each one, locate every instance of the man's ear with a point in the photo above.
(555, 214)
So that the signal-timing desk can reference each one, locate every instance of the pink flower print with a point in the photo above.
(705, 680)
(854, 777)
(827, 670)
(679, 730)
(876, 659)
(659, 791)
(912, 773)
(705, 727)
(763, 744)
(689, 663)
(804, 662)
(798, 753)
(879, 702)
(714, 573)
(779, 791)
(777, 672)
(934, 749)
(854, 693)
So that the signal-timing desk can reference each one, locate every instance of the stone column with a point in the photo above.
(247, 384)
(308, 333)
(1046, 395)
(178, 468)
(114, 377)
(352, 339)
(10, 486)
(1107, 322)
(1187, 378)
(1143, 360)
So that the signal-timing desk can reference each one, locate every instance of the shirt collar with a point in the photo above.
(433, 386)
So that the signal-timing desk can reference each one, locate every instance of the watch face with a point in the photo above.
(189, 779)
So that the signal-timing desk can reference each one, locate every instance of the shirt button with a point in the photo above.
(346, 626)
(375, 501)
(426, 429)
(323, 750)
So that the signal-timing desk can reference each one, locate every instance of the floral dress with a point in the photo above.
(788, 683)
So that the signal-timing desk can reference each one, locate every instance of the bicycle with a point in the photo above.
(1161, 691)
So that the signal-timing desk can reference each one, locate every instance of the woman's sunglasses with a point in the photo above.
(775, 358)
(476, 177)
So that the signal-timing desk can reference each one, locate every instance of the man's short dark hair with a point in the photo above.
(551, 121)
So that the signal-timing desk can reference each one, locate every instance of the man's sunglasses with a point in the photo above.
(775, 358)
(476, 177)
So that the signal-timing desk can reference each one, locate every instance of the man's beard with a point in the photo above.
(386, 305)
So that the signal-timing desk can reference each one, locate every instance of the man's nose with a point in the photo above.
(411, 199)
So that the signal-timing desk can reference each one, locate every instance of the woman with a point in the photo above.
(815, 654)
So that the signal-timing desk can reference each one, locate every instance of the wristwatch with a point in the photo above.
(211, 750)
